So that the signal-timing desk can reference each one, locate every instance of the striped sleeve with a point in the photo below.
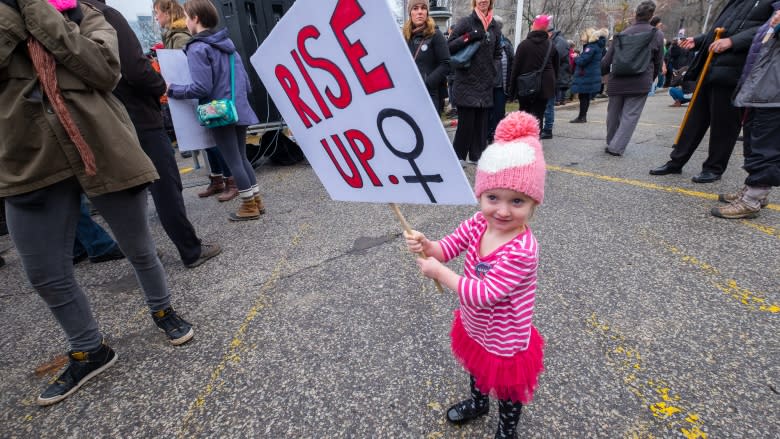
(458, 241)
(514, 273)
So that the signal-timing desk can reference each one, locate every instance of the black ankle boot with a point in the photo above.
(467, 410)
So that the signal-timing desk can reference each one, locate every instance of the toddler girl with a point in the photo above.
(492, 334)
(209, 56)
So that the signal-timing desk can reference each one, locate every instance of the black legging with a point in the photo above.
(584, 104)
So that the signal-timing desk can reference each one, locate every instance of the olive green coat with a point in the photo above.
(35, 151)
(177, 36)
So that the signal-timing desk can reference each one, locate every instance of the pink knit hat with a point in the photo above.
(63, 5)
(541, 22)
(515, 159)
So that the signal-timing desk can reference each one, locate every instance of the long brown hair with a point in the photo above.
(170, 7)
(430, 28)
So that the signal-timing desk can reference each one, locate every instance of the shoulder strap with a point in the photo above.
(546, 56)
(232, 76)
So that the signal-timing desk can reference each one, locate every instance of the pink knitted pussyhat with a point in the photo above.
(515, 159)
(63, 5)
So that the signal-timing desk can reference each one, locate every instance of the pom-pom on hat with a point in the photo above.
(515, 159)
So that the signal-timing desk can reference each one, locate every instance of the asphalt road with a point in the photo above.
(660, 320)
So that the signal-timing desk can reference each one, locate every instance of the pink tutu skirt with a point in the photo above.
(504, 378)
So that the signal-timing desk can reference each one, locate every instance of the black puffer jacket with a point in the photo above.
(474, 86)
(741, 19)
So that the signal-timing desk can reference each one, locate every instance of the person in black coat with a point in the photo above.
(528, 58)
(139, 90)
(713, 109)
(473, 88)
(429, 50)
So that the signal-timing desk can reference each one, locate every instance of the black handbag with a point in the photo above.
(462, 58)
(530, 83)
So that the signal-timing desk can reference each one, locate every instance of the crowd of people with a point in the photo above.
(86, 127)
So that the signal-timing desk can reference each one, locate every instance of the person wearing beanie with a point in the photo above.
(529, 56)
(429, 50)
(492, 334)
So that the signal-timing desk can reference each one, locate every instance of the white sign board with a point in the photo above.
(345, 82)
(190, 135)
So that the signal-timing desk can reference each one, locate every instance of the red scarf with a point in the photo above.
(486, 19)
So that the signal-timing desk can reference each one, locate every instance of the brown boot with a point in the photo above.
(260, 205)
(230, 192)
(246, 211)
(216, 185)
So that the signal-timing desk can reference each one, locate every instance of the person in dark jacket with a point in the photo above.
(429, 50)
(209, 59)
(713, 109)
(587, 71)
(562, 80)
(473, 88)
(529, 56)
(139, 90)
(627, 94)
(500, 83)
(759, 92)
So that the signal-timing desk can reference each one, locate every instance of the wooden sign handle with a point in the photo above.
(408, 229)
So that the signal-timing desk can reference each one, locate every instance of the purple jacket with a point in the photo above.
(208, 56)
(755, 47)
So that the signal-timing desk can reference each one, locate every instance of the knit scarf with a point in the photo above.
(486, 19)
(46, 67)
(418, 29)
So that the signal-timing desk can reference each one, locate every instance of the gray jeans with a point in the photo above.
(42, 225)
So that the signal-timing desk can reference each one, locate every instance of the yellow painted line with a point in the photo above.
(645, 185)
(187, 170)
(237, 343)
(771, 231)
(748, 299)
(661, 401)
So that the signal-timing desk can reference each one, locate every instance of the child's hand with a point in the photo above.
(415, 241)
(430, 267)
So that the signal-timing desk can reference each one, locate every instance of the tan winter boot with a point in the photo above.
(216, 185)
(246, 211)
(230, 192)
(260, 205)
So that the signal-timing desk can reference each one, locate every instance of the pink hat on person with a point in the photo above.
(63, 5)
(515, 159)
(541, 22)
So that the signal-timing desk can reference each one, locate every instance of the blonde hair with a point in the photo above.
(430, 28)
(171, 7)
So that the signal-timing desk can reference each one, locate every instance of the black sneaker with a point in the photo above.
(82, 367)
(466, 411)
(178, 330)
(112, 255)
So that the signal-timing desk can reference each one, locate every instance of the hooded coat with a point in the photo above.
(208, 57)
(176, 36)
(587, 66)
(35, 150)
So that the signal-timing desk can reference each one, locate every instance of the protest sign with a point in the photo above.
(190, 135)
(345, 82)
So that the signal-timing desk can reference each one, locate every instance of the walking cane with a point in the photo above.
(703, 73)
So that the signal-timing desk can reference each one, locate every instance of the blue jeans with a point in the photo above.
(677, 94)
(217, 162)
(90, 237)
(549, 115)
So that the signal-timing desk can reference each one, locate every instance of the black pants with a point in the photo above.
(166, 193)
(471, 135)
(762, 147)
(535, 106)
(712, 110)
(584, 104)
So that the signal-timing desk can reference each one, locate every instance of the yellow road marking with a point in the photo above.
(748, 299)
(655, 394)
(187, 170)
(645, 185)
(237, 343)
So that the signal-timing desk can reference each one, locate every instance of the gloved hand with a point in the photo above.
(474, 35)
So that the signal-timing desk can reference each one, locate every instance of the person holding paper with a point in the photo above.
(209, 54)
(492, 335)
(59, 138)
(429, 49)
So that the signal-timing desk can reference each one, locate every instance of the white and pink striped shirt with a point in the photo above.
(497, 291)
